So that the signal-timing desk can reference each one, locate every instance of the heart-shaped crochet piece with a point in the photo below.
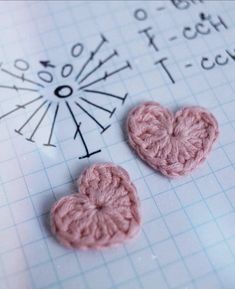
(173, 144)
(105, 212)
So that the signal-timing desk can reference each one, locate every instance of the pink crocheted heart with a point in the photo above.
(104, 212)
(173, 144)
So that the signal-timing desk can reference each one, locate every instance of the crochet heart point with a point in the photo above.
(105, 212)
(173, 144)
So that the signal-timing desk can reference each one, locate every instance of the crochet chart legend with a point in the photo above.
(206, 24)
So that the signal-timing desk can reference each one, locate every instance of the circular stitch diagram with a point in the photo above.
(73, 86)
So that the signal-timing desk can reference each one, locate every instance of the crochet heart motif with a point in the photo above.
(173, 144)
(105, 212)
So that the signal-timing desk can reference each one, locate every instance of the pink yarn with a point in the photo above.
(105, 212)
(173, 144)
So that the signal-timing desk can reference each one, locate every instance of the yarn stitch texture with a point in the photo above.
(105, 212)
(173, 144)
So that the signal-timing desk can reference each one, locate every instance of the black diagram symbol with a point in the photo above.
(74, 88)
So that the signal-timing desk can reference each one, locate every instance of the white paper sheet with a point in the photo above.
(132, 51)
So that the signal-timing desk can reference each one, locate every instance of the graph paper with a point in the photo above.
(187, 239)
